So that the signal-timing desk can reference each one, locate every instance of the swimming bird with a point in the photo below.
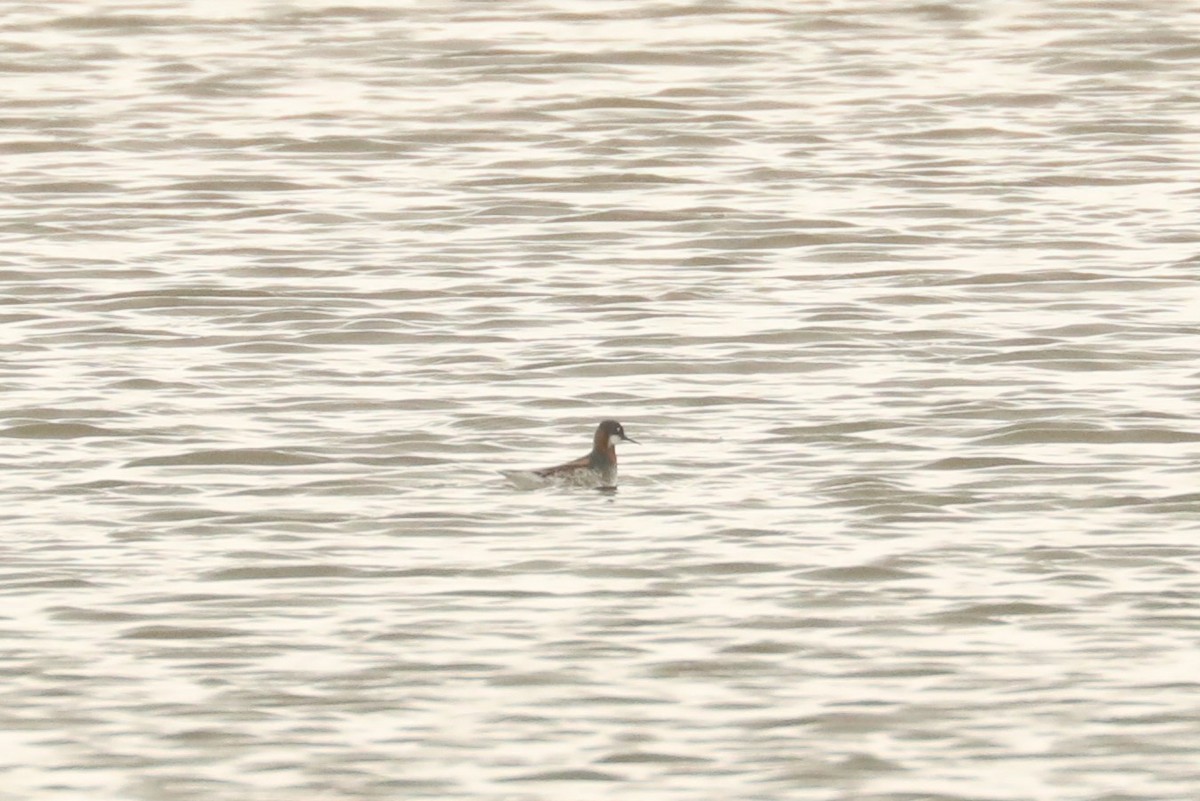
(597, 469)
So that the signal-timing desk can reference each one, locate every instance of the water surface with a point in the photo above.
(899, 299)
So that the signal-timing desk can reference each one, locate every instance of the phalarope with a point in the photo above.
(597, 469)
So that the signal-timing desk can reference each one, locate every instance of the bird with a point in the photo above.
(597, 469)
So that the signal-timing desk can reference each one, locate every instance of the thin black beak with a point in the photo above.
(630, 439)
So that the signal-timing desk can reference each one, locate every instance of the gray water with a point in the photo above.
(900, 300)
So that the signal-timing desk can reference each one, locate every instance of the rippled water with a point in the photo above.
(900, 300)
